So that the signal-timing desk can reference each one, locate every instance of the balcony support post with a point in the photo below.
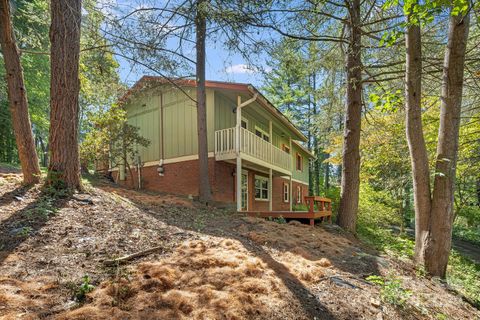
(291, 193)
(238, 175)
(270, 137)
(291, 171)
(238, 125)
(270, 189)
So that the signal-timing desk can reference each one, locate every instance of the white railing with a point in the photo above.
(252, 145)
(225, 141)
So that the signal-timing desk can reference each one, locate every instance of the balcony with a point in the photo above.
(252, 148)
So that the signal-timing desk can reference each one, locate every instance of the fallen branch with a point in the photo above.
(132, 256)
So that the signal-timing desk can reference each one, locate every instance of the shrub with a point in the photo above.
(391, 291)
(84, 288)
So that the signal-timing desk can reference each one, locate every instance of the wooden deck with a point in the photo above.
(324, 211)
(312, 216)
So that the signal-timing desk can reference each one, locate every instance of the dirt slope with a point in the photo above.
(213, 264)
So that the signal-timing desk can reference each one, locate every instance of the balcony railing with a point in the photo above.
(251, 145)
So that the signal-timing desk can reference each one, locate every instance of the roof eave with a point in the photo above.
(275, 112)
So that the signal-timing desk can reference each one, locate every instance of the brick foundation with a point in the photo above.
(181, 178)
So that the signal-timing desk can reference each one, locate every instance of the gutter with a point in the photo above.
(275, 112)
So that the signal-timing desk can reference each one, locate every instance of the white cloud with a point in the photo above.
(240, 68)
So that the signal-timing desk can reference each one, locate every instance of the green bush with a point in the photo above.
(470, 234)
(376, 207)
(392, 291)
(300, 207)
(471, 215)
(84, 288)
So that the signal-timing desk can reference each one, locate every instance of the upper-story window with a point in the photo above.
(285, 148)
(299, 162)
(244, 123)
(262, 134)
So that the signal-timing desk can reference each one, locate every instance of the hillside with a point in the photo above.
(207, 263)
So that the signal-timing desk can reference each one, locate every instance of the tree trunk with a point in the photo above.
(440, 238)
(44, 151)
(347, 216)
(327, 174)
(17, 97)
(310, 132)
(416, 142)
(204, 190)
(64, 166)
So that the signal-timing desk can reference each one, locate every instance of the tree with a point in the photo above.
(434, 210)
(204, 190)
(113, 140)
(414, 129)
(17, 96)
(64, 167)
(439, 240)
(347, 214)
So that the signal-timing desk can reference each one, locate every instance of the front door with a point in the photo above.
(244, 191)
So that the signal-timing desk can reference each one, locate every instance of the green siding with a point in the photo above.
(144, 114)
(224, 115)
(180, 123)
(300, 175)
(179, 120)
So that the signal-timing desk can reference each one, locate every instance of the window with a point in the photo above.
(262, 134)
(286, 192)
(244, 123)
(261, 188)
(285, 148)
(299, 162)
(299, 194)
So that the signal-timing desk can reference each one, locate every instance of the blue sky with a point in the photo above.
(221, 65)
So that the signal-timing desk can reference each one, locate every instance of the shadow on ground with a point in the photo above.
(225, 224)
(26, 222)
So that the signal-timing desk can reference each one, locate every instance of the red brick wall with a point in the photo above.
(277, 193)
(182, 178)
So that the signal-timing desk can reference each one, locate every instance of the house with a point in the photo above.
(246, 135)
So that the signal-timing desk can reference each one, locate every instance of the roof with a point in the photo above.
(238, 87)
(301, 146)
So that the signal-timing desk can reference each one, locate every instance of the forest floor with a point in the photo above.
(207, 264)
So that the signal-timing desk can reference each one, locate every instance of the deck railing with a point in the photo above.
(225, 141)
(252, 145)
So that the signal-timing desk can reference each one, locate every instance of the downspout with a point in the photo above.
(160, 168)
(238, 128)
(139, 173)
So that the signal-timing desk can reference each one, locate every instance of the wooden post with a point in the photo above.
(121, 172)
(270, 188)
(270, 137)
(290, 195)
(292, 167)
(237, 150)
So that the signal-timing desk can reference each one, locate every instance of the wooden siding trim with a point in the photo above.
(171, 160)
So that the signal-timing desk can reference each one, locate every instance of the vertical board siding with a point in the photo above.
(180, 123)
(300, 175)
(224, 116)
(144, 114)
